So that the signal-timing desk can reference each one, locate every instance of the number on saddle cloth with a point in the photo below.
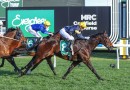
(31, 42)
(65, 47)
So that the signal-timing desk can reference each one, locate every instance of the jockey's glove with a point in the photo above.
(87, 37)
(51, 34)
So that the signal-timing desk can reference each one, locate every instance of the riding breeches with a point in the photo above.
(66, 35)
(33, 32)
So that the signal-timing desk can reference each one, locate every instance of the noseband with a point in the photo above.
(18, 35)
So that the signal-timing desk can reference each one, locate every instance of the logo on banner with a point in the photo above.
(10, 3)
(91, 21)
(18, 21)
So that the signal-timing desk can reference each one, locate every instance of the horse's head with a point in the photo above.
(104, 39)
(15, 33)
(18, 34)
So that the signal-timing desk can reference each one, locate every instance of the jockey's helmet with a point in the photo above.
(1, 23)
(47, 23)
(82, 24)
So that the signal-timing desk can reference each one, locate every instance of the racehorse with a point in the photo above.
(11, 40)
(82, 52)
(20, 50)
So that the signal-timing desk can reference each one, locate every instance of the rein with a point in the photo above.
(9, 38)
(95, 39)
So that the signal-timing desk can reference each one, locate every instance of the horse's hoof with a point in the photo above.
(20, 75)
(101, 79)
(54, 73)
(63, 77)
(28, 72)
(15, 70)
(1, 65)
(22, 68)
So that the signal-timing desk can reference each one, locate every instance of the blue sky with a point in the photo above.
(98, 2)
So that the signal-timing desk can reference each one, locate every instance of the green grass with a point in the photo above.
(81, 78)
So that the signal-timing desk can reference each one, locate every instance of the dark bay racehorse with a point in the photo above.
(8, 43)
(82, 52)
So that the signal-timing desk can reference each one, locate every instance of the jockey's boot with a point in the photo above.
(39, 39)
(71, 49)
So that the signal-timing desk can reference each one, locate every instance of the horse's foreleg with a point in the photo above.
(32, 65)
(75, 63)
(12, 62)
(51, 65)
(22, 68)
(88, 63)
(35, 64)
(27, 67)
(2, 64)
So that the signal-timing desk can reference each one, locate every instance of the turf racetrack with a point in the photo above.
(81, 78)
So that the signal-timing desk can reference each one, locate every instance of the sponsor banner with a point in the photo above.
(25, 18)
(9, 3)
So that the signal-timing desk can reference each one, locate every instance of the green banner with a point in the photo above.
(9, 3)
(25, 18)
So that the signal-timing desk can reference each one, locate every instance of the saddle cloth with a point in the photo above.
(65, 47)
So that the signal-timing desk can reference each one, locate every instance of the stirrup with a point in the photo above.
(70, 57)
(72, 52)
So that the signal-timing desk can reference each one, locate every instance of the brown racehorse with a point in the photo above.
(21, 49)
(82, 49)
(9, 42)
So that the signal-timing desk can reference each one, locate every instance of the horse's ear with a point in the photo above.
(17, 28)
(105, 32)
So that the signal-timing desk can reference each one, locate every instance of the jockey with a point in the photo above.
(35, 28)
(68, 31)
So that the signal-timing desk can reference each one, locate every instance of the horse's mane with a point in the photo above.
(10, 30)
(91, 37)
(95, 35)
(56, 33)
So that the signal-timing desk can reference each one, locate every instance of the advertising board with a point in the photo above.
(98, 19)
(25, 18)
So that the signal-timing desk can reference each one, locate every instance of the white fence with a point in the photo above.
(117, 51)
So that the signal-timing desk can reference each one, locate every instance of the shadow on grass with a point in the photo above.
(3, 72)
(44, 75)
(104, 54)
